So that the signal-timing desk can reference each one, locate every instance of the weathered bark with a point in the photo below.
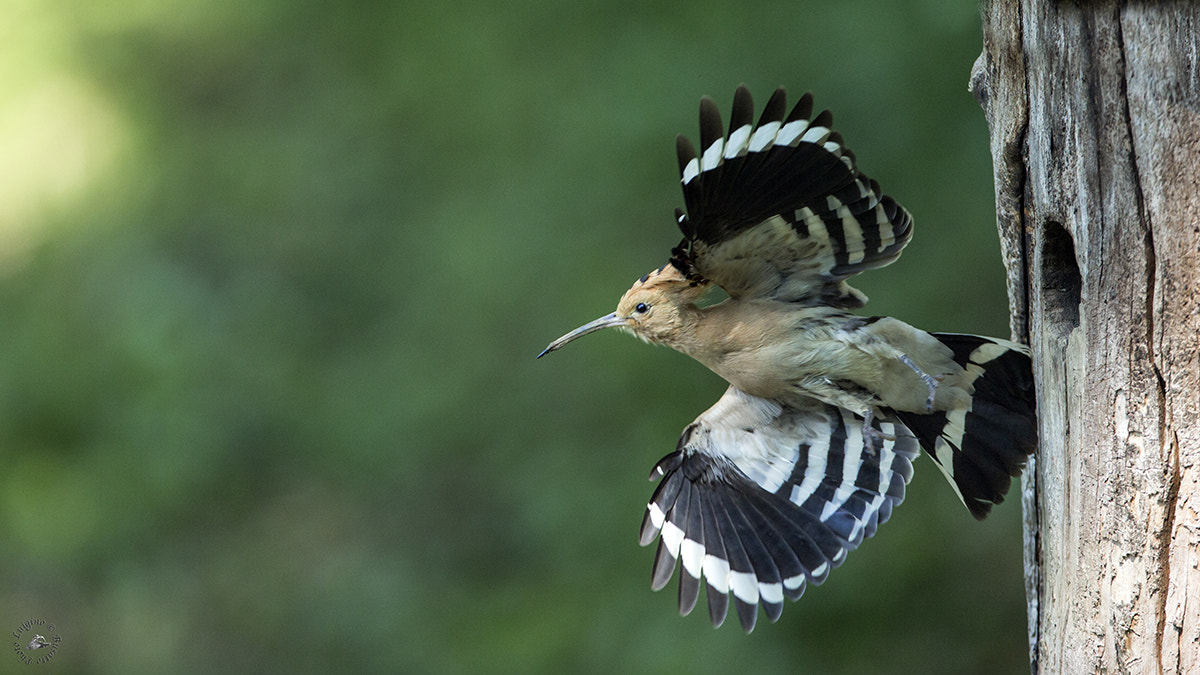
(1094, 112)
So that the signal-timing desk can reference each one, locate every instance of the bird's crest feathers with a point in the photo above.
(670, 279)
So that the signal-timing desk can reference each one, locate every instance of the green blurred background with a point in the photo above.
(272, 278)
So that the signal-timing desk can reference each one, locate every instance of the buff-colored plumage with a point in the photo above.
(811, 445)
(785, 351)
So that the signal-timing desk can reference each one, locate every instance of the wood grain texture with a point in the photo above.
(1094, 112)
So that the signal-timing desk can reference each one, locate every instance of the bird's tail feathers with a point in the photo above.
(980, 449)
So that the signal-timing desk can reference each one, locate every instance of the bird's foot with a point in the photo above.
(930, 381)
(871, 435)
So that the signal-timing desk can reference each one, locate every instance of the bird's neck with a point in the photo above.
(728, 327)
(697, 331)
(681, 334)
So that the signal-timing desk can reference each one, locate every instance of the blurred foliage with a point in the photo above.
(272, 277)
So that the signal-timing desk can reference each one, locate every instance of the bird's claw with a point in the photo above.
(871, 435)
(931, 381)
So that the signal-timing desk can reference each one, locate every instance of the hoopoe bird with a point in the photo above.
(812, 444)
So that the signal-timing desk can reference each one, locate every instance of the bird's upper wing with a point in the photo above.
(761, 499)
(778, 209)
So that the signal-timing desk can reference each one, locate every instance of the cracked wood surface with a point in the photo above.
(1094, 112)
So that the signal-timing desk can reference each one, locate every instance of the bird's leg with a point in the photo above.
(929, 380)
(870, 434)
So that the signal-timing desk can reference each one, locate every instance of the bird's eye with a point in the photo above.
(641, 308)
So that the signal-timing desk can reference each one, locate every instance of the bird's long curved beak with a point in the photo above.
(607, 321)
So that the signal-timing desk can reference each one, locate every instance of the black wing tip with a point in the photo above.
(718, 605)
(773, 610)
(689, 592)
(775, 109)
(743, 109)
(664, 567)
(684, 151)
(803, 108)
(747, 614)
(666, 465)
(649, 531)
(712, 128)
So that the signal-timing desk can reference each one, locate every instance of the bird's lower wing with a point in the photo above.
(761, 499)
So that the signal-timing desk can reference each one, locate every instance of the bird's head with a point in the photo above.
(655, 309)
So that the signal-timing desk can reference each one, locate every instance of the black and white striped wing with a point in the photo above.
(761, 499)
(778, 208)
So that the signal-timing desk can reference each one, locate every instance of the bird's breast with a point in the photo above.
(775, 352)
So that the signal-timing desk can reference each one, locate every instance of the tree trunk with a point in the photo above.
(1094, 112)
